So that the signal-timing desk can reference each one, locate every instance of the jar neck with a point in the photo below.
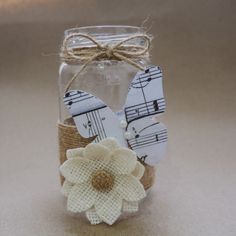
(107, 34)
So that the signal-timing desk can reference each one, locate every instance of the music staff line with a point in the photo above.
(89, 126)
(145, 109)
(155, 104)
(154, 138)
(159, 100)
(94, 122)
(147, 78)
(75, 96)
(99, 124)
(142, 84)
(91, 110)
(151, 69)
(149, 113)
(148, 144)
(69, 103)
(150, 76)
(144, 137)
(162, 132)
(150, 140)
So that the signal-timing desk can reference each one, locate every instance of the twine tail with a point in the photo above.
(78, 73)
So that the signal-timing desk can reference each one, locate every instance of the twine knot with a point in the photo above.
(108, 50)
(121, 51)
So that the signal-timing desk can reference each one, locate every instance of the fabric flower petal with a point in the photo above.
(76, 152)
(93, 216)
(95, 151)
(108, 206)
(81, 197)
(76, 170)
(110, 143)
(66, 188)
(130, 188)
(139, 170)
(124, 160)
(130, 206)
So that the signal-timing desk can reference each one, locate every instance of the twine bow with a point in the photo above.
(120, 51)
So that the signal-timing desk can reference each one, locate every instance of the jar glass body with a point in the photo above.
(108, 80)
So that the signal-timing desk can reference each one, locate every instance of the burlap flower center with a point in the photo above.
(102, 180)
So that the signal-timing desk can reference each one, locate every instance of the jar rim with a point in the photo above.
(103, 28)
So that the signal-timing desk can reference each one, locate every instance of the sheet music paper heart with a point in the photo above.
(134, 125)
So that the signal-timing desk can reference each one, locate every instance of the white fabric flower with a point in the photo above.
(102, 179)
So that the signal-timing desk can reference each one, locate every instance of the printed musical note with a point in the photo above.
(145, 96)
(94, 124)
(145, 109)
(80, 102)
(75, 97)
(144, 78)
(148, 140)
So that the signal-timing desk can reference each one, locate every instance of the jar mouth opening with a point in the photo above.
(105, 34)
(105, 30)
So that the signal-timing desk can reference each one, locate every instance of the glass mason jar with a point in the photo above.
(108, 80)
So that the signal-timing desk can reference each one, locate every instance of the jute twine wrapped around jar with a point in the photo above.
(69, 138)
